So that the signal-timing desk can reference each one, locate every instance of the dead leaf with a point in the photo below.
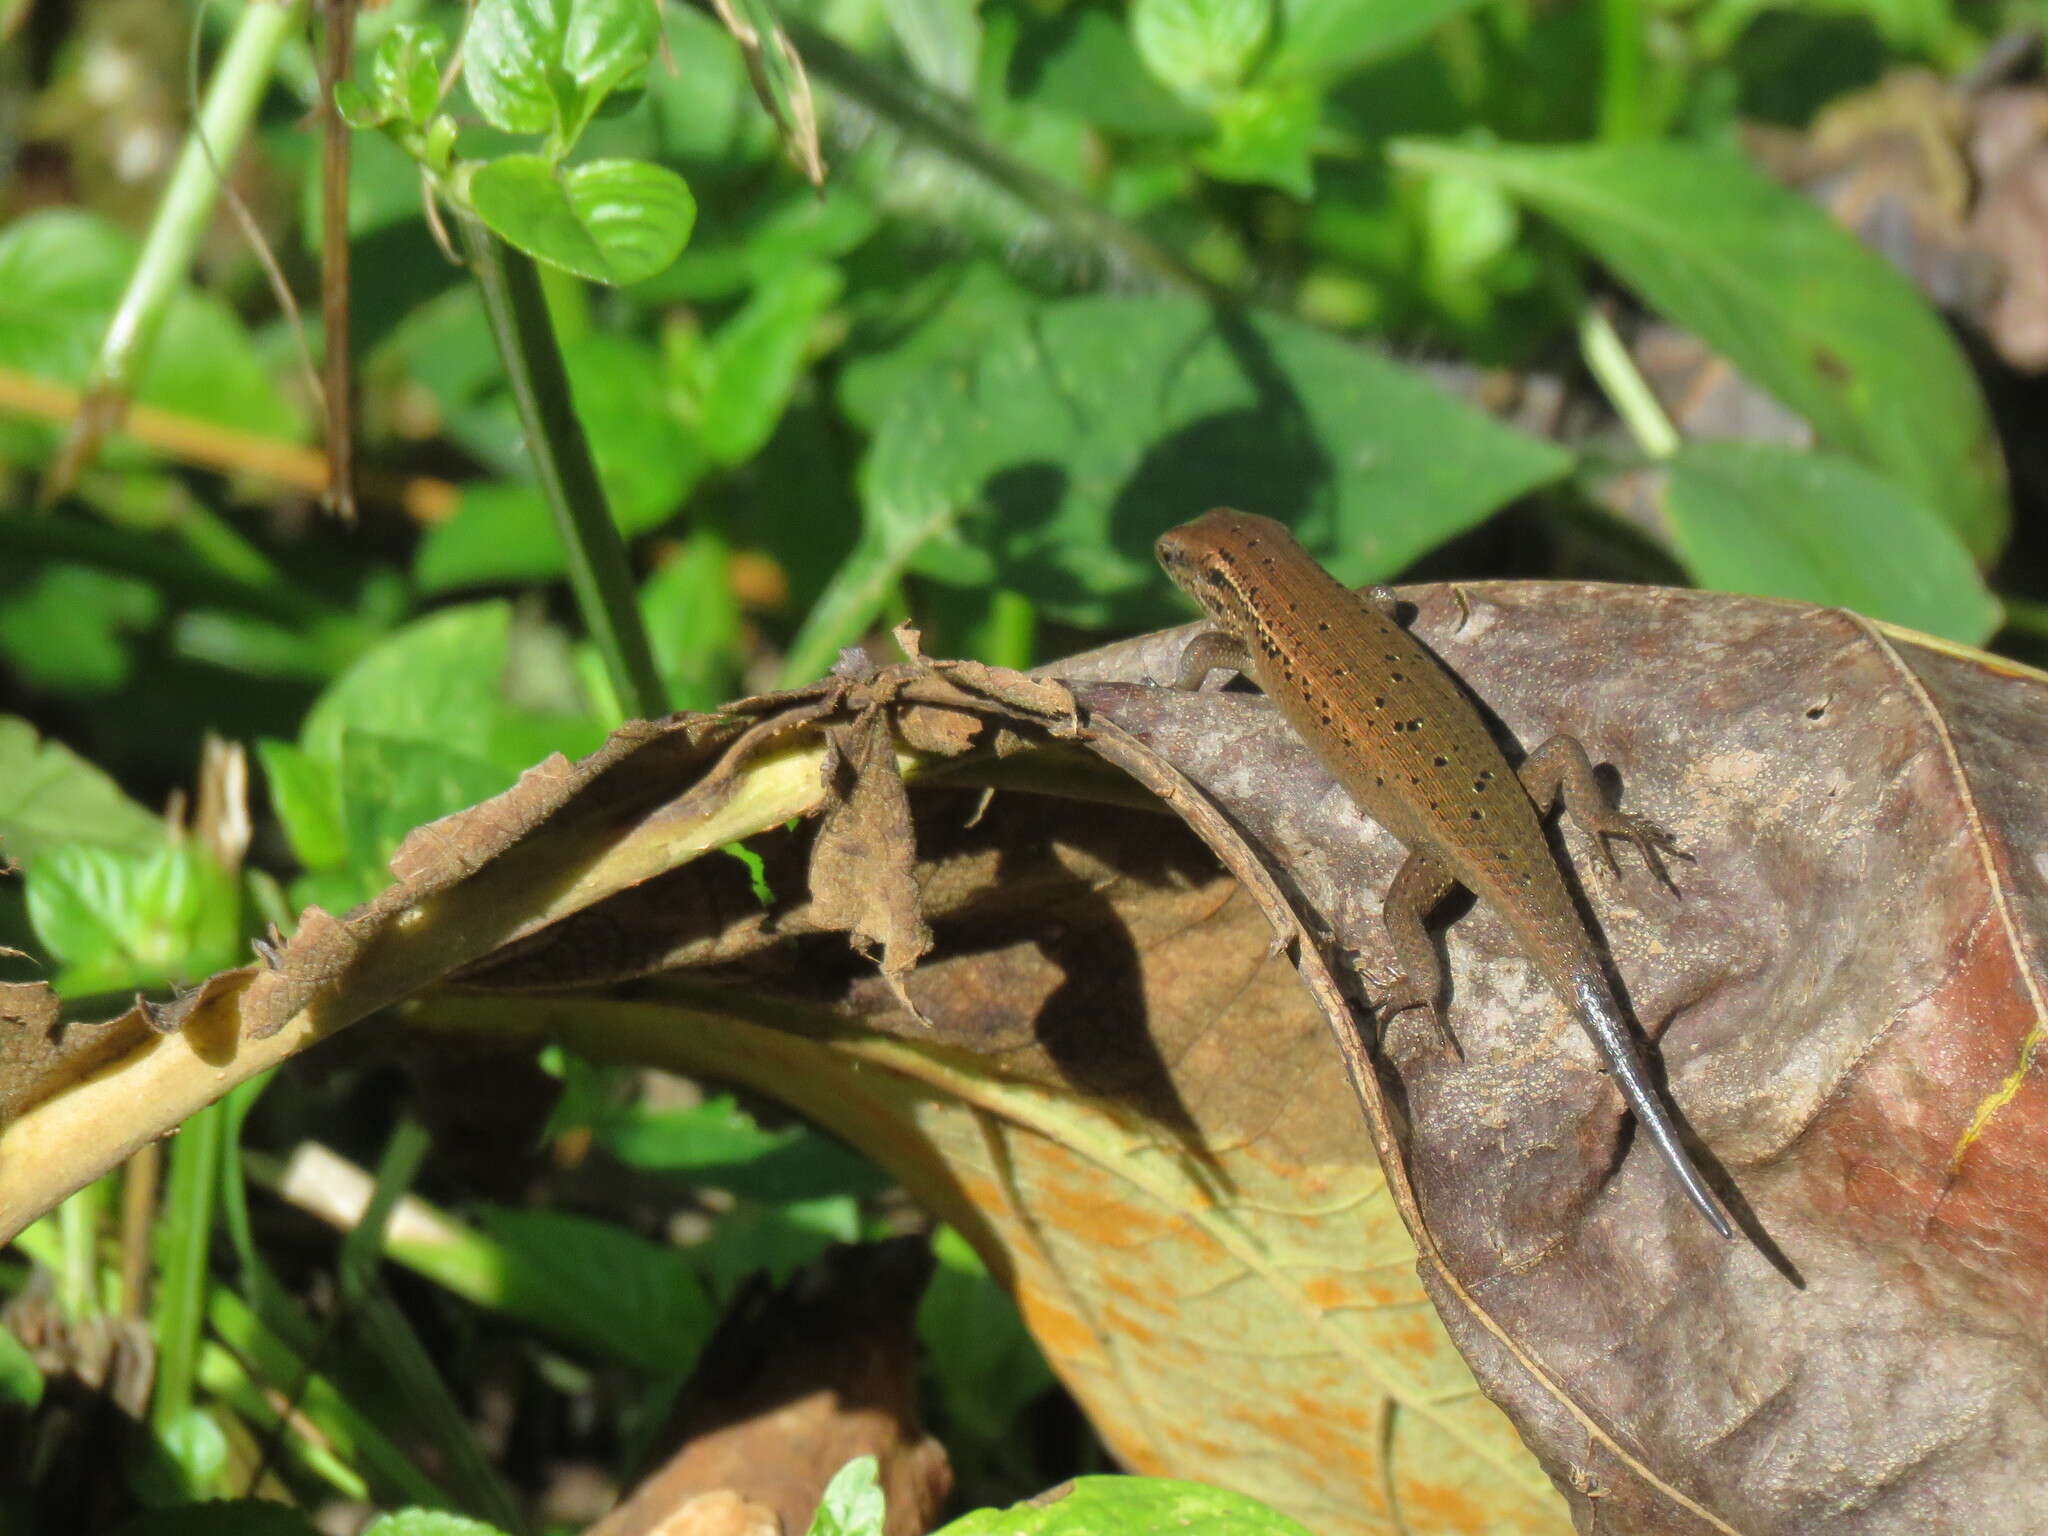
(797, 1382)
(1136, 1111)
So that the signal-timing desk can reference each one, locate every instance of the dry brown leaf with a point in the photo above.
(796, 1383)
(1135, 1109)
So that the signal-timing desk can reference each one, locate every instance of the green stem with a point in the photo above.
(78, 1275)
(185, 1234)
(1621, 70)
(598, 572)
(238, 84)
(385, 1332)
(1608, 361)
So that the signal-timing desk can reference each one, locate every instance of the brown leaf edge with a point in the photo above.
(561, 839)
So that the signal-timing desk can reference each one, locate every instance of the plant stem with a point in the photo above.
(598, 572)
(1627, 391)
(238, 83)
(185, 1234)
(1621, 70)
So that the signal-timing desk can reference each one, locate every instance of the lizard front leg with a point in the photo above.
(1213, 650)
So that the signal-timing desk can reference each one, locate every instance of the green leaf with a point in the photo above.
(693, 623)
(987, 1366)
(222, 1517)
(1322, 39)
(546, 66)
(123, 920)
(647, 461)
(429, 1522)
(356, 107)
(430, 681)
(1082, 63)
(720, 1145)
(405, 77)
(66, 628)
(613, 221)
(758, 355)
(1131, 1506)
(1049, 460)
(196, 1450)
(630, 1300)
(1766, 279)
(1075, 436)
(853, 1504)
(49, 796)
(305, 792)
(443, 680)
(1200, 48)
(390, 785)
(1756, 517)
(975, 302)
(1265, 136)
(942, 39)
(775, 1237)
(61, 274)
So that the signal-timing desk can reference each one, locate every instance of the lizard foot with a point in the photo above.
(1652, 841)
(1397, 992)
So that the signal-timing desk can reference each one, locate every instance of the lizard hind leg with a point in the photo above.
(1416, 978)
(1560, 769)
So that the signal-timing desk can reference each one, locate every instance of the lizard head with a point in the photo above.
(1204, 556)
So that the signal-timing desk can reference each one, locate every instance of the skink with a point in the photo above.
(1391, 725)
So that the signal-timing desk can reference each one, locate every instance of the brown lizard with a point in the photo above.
(1385, 717)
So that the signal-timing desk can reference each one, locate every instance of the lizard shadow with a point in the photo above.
(1092, 1021)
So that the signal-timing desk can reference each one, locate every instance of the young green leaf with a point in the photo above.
(123, 920)
(1200, 48)
(853, 1504)
(1265, 135)
(546, 66)
(613, 221)
(405, 77)
(1763, 276)
(1756, 517)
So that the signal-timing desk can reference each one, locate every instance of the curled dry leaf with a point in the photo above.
(1131, 1103)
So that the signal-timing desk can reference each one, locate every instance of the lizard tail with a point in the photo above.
(1602, 1018)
